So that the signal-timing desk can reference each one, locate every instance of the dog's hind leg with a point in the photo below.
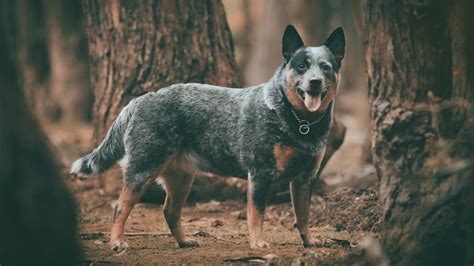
(177, 184)
(336, 137)
(131, 194)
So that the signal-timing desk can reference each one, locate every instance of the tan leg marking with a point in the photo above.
(178, 184)
(255, 224)
(282, 156)
(128, 198)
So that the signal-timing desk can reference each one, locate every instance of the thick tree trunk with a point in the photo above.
(418, 58)
(70, 89)
(37, 224)
(141, 46)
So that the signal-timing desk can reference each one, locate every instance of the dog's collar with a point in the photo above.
(305, 125)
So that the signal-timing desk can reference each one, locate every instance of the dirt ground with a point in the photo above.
(347, 212)
(340, 219)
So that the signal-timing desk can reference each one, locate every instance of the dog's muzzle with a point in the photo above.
(312, 99)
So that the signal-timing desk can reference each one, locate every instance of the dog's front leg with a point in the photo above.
(301, 199)
(257, 194)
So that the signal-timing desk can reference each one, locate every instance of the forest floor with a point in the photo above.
(340, 218)
(342, 215)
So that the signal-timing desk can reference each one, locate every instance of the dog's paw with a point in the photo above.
(312, 243)
(259, 244)
(118, 245)
(188, 243)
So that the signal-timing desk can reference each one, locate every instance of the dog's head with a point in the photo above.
(311, 74)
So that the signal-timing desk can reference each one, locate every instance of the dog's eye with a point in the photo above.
(325, 67)
(302, 67)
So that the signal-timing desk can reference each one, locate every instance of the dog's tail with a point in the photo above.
(109, 151)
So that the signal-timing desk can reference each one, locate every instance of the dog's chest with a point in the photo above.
(291, 164)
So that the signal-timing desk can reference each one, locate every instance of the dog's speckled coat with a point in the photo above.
(248, 133)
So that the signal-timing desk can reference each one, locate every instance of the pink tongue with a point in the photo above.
(312, 103)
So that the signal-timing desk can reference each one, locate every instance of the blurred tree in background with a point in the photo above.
(52, 55)
(38, 221)
(68, 57)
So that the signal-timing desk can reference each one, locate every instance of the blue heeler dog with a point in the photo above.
(276, 131)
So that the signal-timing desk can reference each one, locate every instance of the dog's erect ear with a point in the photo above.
(291, 42)
(336, 42)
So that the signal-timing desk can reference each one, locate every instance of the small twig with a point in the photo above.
(433, 105)
(373, 226)
(98, 234)
(97, 205)
(269, 259)
(93, 235)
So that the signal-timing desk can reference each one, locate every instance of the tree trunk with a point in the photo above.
(418, 57)
(141, 46)
(266, 49)
(316, 18)
(38, 224)
(31, 48)
(70, 88)
(243, 39)
(319, 18)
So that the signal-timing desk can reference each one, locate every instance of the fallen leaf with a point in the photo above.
(99, 242)
(217, 223)
(332, 242)
(201, 233)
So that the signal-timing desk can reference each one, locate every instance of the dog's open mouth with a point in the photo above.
(311, 101)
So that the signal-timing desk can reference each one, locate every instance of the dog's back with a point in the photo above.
(199, 119)
(272, 132)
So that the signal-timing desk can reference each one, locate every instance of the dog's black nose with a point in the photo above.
(315, 85)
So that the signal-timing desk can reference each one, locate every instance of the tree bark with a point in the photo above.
(67, 43)
(141, 46)
(420, 82)
(38, 223)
